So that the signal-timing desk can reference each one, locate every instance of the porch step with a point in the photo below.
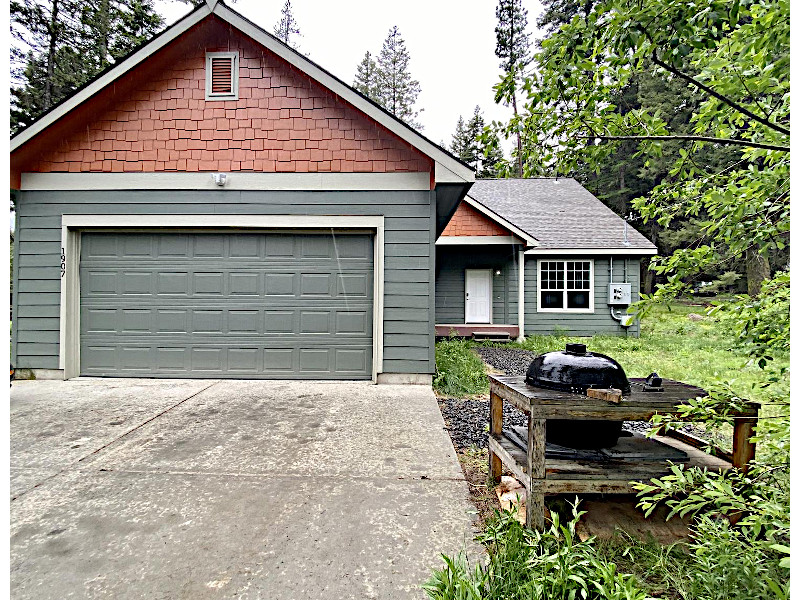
(493, 336)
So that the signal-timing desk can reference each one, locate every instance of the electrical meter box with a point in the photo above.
(619, 294)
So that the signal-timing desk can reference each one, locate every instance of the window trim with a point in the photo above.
(234, 95)
(539, 308)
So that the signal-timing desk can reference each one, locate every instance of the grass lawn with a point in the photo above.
(695, 352)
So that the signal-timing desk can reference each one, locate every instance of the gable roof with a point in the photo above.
(560, 214)
(448, 168)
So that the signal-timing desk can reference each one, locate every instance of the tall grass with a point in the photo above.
(529, 565)
(459, 370)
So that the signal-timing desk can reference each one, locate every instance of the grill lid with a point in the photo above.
(576, 370)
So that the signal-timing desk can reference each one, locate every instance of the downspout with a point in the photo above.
(521, 294)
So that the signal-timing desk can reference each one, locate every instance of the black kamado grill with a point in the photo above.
(575, 370)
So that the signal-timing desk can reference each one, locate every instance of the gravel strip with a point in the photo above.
(511, 360)
(467, 420)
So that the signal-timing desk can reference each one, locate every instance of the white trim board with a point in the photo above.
(458, 172)
(234, 181)
(73, 225)
(592, 251)
(477, 240)
(529, 239)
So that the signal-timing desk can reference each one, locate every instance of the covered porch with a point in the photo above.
(478, 289)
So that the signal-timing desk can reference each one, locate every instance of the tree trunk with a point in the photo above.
(105, 27)
(51, 56)
(519, 136)
(649, 276)
(757, 271)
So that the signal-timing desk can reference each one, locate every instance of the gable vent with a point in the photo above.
(222, 76)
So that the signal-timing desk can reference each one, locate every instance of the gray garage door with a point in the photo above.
(261, 305)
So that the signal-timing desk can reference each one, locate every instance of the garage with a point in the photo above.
(218, 304)
(283, 228)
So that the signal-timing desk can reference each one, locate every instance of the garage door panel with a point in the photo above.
(244, 284)
(172, 283)
(208, 284)
(353, 285)
(352, 322)
(136, 320)
(279, 284)
(136, 283)
(171, 359)
(172, 320)
(352, 361)
(280, 321)
(98, 283)
(227, 305)
(175, 245)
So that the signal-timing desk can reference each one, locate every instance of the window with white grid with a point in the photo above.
(566, 286)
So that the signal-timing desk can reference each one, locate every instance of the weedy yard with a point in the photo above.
(680, 342)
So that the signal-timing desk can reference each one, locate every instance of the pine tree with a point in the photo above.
(287, 27)
(366, 80)
(62, 44)
(513, 50)
(44, 34)
(477, 147)
(396, 90)
(559, 12)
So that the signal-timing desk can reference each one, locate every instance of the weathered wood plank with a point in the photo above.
(504, 448)
(536, 468)
(495, 428)
(744, 451)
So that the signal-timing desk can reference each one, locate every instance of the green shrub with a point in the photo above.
(459, 370)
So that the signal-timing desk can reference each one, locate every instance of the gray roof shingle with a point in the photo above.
(559, 213)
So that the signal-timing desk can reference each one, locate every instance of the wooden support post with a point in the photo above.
(536, 473)
(495, 428)
(744, 451)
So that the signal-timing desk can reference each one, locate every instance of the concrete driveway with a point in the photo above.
(136, 488)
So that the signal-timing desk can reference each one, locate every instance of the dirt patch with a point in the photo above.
(475, 465)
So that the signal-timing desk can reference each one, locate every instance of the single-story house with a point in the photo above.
(218, 205)
(536, 256)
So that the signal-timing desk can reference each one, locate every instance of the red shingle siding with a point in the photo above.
(157, 119)
(468, 221)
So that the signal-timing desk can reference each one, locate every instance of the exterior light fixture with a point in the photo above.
(497, 272)
(219, 178)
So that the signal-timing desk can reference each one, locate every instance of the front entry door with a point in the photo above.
(478, 296)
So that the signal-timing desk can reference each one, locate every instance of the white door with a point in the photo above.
(478, 296)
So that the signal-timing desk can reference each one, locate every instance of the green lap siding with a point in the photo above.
(452, 261)
(408, 263)
(582, 324)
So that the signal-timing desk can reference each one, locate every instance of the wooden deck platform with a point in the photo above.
(468, 330)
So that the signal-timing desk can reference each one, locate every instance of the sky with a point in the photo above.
(451, 43)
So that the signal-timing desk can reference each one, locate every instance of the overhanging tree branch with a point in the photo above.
(692, 138)
(734, 105)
